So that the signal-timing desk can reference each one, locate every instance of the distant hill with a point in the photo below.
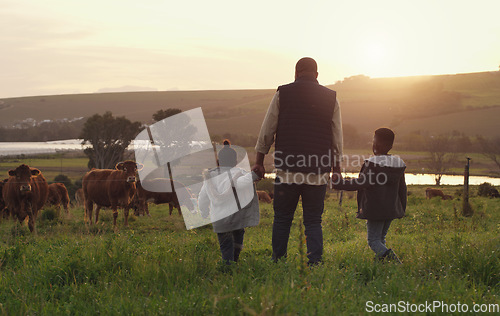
(468, 103)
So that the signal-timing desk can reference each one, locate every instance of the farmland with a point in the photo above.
(156, 266)
(467, 103)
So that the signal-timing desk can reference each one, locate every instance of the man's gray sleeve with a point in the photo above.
(269, 126)
(337, 136)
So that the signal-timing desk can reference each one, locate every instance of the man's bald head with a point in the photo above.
(306, 67)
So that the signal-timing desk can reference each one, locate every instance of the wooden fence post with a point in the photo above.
(467, 209)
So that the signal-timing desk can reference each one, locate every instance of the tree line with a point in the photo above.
(43, 132)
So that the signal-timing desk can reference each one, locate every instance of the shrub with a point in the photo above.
(49, 214)
(62, 178)
(484, 189)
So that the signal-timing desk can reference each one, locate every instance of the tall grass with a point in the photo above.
(156, 266)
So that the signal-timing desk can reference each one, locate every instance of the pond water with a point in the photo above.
(35, 148)
(428, 179)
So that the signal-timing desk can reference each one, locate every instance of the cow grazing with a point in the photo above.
(58, 194)
(263, 196)
(144, 196)
(110, 188)
(494, 193)
(79, 198)
(25, 193)
(430, 193)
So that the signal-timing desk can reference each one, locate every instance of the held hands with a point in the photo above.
(259, 170)
(336, 177)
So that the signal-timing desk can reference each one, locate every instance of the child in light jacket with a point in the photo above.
(229, 215)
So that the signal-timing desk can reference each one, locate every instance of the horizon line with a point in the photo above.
(242, 89)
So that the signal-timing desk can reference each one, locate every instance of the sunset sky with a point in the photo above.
(64, 46)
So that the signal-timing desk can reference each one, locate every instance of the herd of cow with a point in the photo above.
(26, 192)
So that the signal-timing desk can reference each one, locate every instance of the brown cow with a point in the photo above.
(263, 196)
(4, 212)
(493, 193)
(79, 198)
(143, 196)
(25, 193)
(110, 188)
(430, 193)
(58, 194)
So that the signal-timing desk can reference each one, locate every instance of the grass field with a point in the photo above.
(157, 267)
(74, 167)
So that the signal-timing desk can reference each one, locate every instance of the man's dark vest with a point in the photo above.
(304, 133)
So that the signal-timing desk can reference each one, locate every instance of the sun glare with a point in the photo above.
(374, 58)
(375, 52)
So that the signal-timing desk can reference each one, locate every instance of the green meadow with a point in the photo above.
(156, 266)
(51, 165)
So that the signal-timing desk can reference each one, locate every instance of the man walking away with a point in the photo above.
(304, 121)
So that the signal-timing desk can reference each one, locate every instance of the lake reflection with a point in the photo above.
(35, 148)
(428, 179)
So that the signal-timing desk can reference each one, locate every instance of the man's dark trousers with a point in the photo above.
(286, 197)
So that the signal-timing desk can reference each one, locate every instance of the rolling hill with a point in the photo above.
(468, 103)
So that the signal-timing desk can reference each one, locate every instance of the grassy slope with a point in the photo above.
(366, 105)
(477, 122)
(156, 266)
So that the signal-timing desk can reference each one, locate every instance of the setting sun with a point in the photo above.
(373, 55)
(375, 52)
(69, 47)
